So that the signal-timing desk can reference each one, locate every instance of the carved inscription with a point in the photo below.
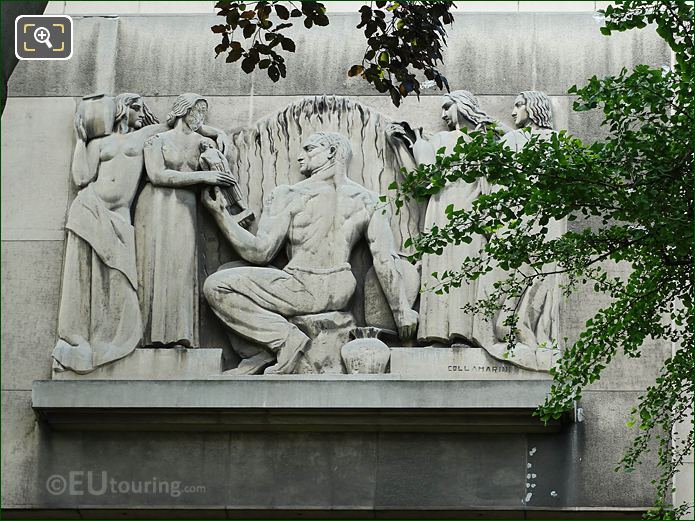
(480, 368)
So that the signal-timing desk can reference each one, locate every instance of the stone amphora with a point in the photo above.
(366, 354)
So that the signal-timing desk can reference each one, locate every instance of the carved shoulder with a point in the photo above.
(279, 199)
(153, 140)
(369, 198)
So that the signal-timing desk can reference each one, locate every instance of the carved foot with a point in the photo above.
(253, 365)
(58, 367)
(289, 355)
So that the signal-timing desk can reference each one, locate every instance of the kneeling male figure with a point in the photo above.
(321, 218)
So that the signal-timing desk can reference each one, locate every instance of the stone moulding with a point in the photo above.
(293, 403)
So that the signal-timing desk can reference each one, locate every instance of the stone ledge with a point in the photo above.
(229, 512)
(302, 403)
(457, 363)
(177, 363)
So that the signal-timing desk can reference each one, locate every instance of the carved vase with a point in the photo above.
(366, 354)
(97, 114)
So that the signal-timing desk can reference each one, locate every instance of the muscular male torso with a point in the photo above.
(325, 221)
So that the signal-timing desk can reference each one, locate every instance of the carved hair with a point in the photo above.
(123, 102)
(467, 105)
(343, 149)
(182, 105)
(539, 109)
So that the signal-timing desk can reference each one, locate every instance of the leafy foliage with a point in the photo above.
(635, 188)
(252, 20)
(403, 39)
(413, 38)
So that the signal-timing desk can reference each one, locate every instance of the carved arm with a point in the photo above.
(272, 227)
(385, 257)
(85, 162)
(160, 175)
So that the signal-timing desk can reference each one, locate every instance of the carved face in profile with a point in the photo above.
(450, 113)
(135, 114)
(314, 155)
(195, 116)
(520, 113)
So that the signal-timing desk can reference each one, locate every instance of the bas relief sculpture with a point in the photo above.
(100, 318)
(213, 159)
(166, 227)
(538, 307)
(320, 219)
(441, 319)
(303, 253)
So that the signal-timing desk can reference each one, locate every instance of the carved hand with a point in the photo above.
(217, 178)
(406, 322)
(79, 127)
(396, 131)
(216, 205)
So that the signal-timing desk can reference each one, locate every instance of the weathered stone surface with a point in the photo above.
(35, 179)
(178, 363)
(20, 440)
(289, 392)
(440, 471)
(455, 363)
(377, 312)
(291, 470)
(328, 332)
(86, 7)
(298, 403)
(150, 48)
(623, 373)
(112, 469)
(92, 68)
(555, 6)
(38, 513)
(606, 436)
(31, 272)
(684, 483)
(585, 125)
(423, 471)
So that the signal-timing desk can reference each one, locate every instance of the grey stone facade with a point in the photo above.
(304, 468)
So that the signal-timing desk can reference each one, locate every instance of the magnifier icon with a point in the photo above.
(42, 35)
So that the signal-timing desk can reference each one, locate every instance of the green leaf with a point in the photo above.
(248, 64)
(355, 70)
(288, 44)
(282, 12)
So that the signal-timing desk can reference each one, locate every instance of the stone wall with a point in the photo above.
(366, 473)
